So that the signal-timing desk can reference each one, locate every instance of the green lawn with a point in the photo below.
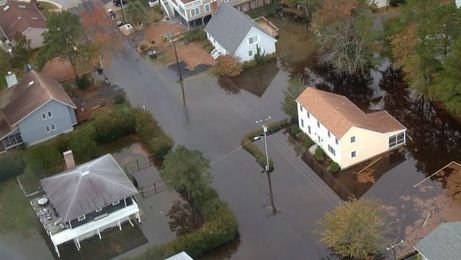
(16, 214)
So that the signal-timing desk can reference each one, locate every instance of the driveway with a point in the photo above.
(214, 121)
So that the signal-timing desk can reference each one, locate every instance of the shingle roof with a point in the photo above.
(87, 187)
(229, 26)
(444, 242)
(17, 16)
(31, 92)
(338, 114)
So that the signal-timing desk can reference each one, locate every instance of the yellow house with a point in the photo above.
(346, 134)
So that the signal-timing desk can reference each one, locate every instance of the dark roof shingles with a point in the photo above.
(19, 16)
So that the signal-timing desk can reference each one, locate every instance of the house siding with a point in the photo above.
(33, 128)
(367, 143)
(216, 44)
(265, 42)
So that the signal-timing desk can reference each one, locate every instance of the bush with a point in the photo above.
(307, 141)
(333, 167)
(227, 66)
(319, 154)
(83, 82)
(220, 227)
(12, 165)
(83, 145)
(294, 130)
(113, 125)
(250, 147)
(195, 35)
(44, 158)
(157, 142)
(120, 99)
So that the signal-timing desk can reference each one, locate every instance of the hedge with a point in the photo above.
(151, 134)
(113, 125)
(221, 227)
(249, 146)
(12, 165)
(319, 154)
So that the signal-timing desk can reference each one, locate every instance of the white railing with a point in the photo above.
(95, 226)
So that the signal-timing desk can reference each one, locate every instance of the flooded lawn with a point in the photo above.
(254, 80)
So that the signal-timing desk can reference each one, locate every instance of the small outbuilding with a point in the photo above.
(232, 32)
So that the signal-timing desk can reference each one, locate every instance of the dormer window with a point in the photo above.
(98, 210)
(116, 203)
(81, 218)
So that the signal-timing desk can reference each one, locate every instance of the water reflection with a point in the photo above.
(254, 80)
(183, 218)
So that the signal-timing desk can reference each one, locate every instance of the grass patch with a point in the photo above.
(15, 211)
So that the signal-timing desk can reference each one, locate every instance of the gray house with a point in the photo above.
(444, 242)
(33, 110)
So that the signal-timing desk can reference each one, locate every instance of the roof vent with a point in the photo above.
(6, 8)
(86, 172)
(30, 83)
(11, 79)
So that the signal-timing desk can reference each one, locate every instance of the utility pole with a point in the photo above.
(179, 71)
(267, 168)
(123, 11)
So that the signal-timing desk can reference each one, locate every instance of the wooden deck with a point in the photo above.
(269, 27)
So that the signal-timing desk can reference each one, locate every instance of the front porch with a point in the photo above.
(10, 141)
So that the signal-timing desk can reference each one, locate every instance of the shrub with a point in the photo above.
(227, 66)
(110, 126)
(12, 165)
(83, 82)
(120, 99)
(319, 154)
(157, 142)
(307, 141)
(194, 35)
(333, 167)
(294, 130)
(44, 158)
(83, 145)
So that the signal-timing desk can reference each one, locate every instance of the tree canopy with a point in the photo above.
(21, 52)
(355, 229)
(186, 171)
(346, 35)
(62, 38)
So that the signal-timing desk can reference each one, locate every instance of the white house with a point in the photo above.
(83, 201)
(346, 134)
(232, 32)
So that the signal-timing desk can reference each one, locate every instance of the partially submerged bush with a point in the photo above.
(227, 66)
(333, 167)
(319, 154)
(113, 125)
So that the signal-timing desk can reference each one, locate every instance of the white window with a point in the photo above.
(98, 210)
(336, 140)
(207, 8)
(308, 115)
(49, 114)
(352, 139)
(331, 150)
(302, 123)
(53, 127)
(47, 129)
(353, 154)
(250, 53)
(81, 218)
(195, 11)
(309, 129)
(116, 203)
(329, 134)
(318, 124)
(253, 39)
(43, 116)
(396, 139)
(300, 108)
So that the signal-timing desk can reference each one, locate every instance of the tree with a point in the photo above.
(187, 171)
(346, 36)
(289, 105)
(355, 229)
(448, 87)
(21, 52)
(5, 66)
(227, 66)
(62, 38)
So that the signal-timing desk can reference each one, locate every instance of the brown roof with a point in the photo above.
(16, 17)
(30, 93)
(338, 114)
(88, 187)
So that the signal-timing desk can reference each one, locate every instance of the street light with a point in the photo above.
(267, 168)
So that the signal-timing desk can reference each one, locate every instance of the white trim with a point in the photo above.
(81, 218)
(115, 203)
(99, 210)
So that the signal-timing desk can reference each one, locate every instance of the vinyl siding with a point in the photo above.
(265, 42)
(33, 128)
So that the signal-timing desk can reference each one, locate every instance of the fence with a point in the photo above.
(148, 186)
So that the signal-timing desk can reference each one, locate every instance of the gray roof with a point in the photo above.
(229, 27)
(444, 242)
(87, 187)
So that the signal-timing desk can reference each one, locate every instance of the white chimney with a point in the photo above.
(11, 79)
(69, 158)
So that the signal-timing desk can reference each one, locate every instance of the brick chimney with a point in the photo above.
(214, 6)
(69, 158)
